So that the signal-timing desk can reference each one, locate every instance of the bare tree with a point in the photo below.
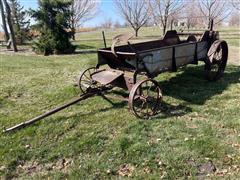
(191, 12)
(135, 12)
(10, 24)
(236, 4)
(83, 10)
(234, 19)
(4, 24)
(215, 10)
(107, 23)
(117, 24)
(163, 10)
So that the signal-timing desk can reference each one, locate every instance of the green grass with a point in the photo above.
(94, 139)
(93, 39)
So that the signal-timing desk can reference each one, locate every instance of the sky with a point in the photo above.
(107, 10)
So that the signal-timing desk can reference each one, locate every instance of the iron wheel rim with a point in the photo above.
(217, 61)
(85, 81)
(144, 99)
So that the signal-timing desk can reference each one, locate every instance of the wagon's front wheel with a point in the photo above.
(144, 98)
(85, 81)
(217, 60)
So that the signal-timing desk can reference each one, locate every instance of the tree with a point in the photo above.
(53, 22)
(10, 25)
(191, 12)
(107, 23)
(83, 10)
(234, 19)
(236, 4)
(215, 10)
(117, 24)
(136, 13)
(4, 24)
(20, 21)
(163, 10)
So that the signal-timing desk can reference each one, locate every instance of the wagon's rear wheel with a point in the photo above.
(85, 81)
(217, 60)
(144, 98)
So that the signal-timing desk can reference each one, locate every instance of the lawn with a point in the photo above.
(196, 134)
(93, 39)
(199, 124)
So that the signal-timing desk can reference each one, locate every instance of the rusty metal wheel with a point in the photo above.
(217, 60)
(85, 81)
(144, 98)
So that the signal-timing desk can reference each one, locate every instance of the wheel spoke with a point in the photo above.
(141, 89)
(87, 77)
(86, 85)
(148, 90)
(89, 72)
(83, 80)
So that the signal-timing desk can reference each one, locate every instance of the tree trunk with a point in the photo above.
(136, 32)
(164, 29)
(165, 23)
(9, 19)
(16, 25)
(73, 34)
(73, 29)
(188, 26)
(6, 34)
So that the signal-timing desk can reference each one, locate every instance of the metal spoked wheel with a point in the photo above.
(144, 98)
(85, 81)
(217, 60)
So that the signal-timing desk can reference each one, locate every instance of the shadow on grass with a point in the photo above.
(168, 110)
(192, 87)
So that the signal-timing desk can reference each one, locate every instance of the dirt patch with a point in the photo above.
(126, 170)
(32, 168)
(203, 170)
(206, 169)
(25, 51)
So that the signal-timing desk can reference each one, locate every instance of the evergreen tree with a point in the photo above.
(53, 22)
(20, 21)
